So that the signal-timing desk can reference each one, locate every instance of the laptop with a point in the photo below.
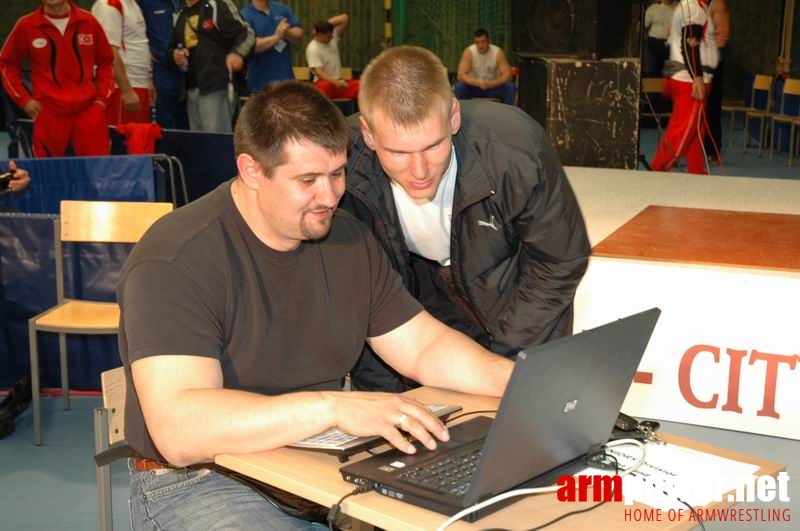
(561, 403)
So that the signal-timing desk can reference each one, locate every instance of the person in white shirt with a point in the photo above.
(657, 21)
(484, 72)
(322, 56)
(123, 22)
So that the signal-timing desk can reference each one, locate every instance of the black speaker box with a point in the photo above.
(590, 109)
(589, 29)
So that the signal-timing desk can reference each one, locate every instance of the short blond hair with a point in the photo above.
(406, 85)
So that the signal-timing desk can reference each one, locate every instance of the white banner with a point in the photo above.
(726, 350)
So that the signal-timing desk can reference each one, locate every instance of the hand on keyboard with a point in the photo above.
(390, 416)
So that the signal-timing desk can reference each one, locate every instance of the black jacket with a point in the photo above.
(518, 240)
(220, 31)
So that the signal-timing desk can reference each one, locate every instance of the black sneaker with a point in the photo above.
(18, 399)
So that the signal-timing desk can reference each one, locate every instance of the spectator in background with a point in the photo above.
(484, 72)
(322, 56)
(20, 179)
(12, 180)
(712, 143)
(693, 57)
(170, 101)
(125, 28)
(72, 78)
(657, 20)
(210, 41)
(276, 28)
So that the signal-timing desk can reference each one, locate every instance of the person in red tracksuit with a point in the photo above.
(72, 77)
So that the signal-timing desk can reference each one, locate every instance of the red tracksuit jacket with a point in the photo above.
(62, 66)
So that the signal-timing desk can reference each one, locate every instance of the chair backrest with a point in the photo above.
(346, 73)
(101, 222)
(791, 88)
(762, 83)
(109, 430)
(113, 385)
(302, 73)
(108, 221)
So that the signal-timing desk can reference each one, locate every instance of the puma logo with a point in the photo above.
(489, 223)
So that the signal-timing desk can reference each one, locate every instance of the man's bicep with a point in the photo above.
(159, 380)
(162, 376)
(465, 64)
(400, 347)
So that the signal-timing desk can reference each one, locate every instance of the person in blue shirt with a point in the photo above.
(276, 27)
(170, 107)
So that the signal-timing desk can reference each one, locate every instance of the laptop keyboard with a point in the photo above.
(450, 475)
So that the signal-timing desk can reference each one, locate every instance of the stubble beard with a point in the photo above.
(314, 230)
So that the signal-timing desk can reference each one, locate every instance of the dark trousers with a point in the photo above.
(713, 139)
(656, 53)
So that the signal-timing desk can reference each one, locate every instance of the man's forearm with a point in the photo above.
(204, 423)
(120, 75)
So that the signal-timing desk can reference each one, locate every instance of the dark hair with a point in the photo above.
(284, 112)
(480, 32)
(323, 26)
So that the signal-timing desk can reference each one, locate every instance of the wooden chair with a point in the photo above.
(791, 88)
(109, 432)
(302, 73)
(762, 83)
(84, 221)
(657, 106)
(760, 80)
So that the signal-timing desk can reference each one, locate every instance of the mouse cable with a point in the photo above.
(336, 508)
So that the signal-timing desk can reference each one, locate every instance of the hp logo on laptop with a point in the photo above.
(571, 405)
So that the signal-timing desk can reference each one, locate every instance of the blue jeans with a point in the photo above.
(506, 93)
(202, 499)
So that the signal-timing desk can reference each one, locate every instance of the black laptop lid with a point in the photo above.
(562, 399)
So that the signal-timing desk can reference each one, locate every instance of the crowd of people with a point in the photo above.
(179, 63)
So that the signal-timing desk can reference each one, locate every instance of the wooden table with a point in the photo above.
(315, 476)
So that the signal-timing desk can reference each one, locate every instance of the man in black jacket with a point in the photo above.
(209, 42)
(471, 204)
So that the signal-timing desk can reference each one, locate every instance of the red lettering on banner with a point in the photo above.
(685, 373)
(734, 376)
(771, 379)
(773, 362)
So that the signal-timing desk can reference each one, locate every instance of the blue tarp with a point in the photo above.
(122, 178)
(27, 262)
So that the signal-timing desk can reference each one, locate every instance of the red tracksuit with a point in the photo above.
(73, 95)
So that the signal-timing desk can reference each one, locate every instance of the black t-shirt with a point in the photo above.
(200, 283)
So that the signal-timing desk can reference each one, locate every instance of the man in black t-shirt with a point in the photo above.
(243, 311)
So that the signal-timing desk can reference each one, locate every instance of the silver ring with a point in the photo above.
(402, 420)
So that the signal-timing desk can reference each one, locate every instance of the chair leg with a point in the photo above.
(730, 134)
(62, 351)
(105, 513)
(772, 139)
(35, 391)
(762, 130)
(792, 134)
(745, 134)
